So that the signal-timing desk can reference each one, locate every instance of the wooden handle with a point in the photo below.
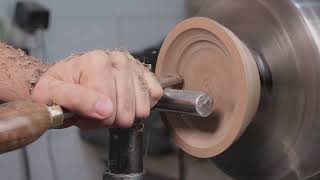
(21, 123)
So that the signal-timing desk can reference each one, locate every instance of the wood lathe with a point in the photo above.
(22, 122)
(260, 62)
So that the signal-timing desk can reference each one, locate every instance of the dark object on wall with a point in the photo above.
(31, 16)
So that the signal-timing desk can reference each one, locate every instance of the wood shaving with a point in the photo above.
(142, 81)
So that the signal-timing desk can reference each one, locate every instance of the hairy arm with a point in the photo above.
(18, 73)
(103, 87)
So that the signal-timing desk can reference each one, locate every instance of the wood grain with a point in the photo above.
(21, 123)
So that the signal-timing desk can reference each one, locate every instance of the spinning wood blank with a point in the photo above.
(212, 59)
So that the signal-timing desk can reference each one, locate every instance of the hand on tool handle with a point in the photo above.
(22, 122)
(105, 87)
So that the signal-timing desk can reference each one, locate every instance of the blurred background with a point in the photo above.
(56, 29)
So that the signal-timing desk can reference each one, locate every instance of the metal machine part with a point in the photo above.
(126, 153)
(194, 103)
(173, 100)
(282, 140)
(126, 145)
(186, 102)
(57, 116)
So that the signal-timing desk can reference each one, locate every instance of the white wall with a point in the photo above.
(82, 25)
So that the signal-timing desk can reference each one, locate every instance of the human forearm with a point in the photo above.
(18, 73)
(103, 87)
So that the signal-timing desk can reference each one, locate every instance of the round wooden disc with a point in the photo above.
(210, 58)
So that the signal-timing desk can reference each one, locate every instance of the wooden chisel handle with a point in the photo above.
(22, 122)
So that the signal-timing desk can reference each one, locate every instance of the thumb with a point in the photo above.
(73, 97)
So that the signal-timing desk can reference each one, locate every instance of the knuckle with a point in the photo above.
(120, 60)
(116, 53)
(95, 55)
(97, 52)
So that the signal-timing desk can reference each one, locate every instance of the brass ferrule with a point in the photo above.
(56, 116)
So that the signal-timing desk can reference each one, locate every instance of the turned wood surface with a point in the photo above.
(210, 58)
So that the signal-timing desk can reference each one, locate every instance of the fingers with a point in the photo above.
(141, 93)
(110, 74)
(125, 95)
(151, 81)
(110, 87)
(107, 87)
(154, 87)
(73, 97)
(100, 77)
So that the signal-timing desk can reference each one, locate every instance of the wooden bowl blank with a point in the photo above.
(210, 58)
